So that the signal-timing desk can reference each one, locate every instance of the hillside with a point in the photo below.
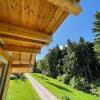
(62, 91)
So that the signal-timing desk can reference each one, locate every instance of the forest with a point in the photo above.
(76, 63)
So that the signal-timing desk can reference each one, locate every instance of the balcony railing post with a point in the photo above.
(6, 82)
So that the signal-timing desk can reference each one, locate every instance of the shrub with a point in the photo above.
(18, 76)
(59, 78)
(95, 91)
(47, 73)
(22, 77)
(64, 78)
(95, 87)
(13, 77)
(98, 92)
(80, 83)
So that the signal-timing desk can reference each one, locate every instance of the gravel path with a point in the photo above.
(42, 91)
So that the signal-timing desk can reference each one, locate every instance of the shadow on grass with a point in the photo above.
(59, 87)
(42, 77)
(65, 98)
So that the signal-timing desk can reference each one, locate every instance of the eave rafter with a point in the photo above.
(19, 32)
(21, 42)
(68, 5)
(20, 49)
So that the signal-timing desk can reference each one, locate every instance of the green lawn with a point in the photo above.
(61, 90)
(21, 90)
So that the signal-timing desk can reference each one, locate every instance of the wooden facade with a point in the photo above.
(26, 26)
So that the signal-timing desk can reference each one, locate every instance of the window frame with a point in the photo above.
(4, 58)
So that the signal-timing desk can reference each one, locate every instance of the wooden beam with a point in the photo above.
(11, 30)
(4, 55)
(20, 49)
(22, 68)
(23, 40)
(21, 43)
(69, 6)
(33, 58)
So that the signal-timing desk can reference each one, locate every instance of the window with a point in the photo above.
(3, 68)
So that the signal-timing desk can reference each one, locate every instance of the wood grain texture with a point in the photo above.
(12, 30)
(21, 68)
(69, 6)
(21, 43)
(28, 25)
(5, 38)
(20, 49)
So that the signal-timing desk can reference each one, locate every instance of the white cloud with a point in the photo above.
(61, 47)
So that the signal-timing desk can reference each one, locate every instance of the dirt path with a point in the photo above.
(42, 91)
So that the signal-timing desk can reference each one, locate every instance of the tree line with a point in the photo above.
(77, 63)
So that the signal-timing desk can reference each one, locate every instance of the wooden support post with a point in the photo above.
(6, 59)
(3, 94)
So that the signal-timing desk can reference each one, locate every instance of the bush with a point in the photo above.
(22, 77)
(95, 87)
(18, 76)
(64, 78)
(47, 73)
(80, 83)
(59, 78)
(98, 92)
(13, 77)
(95, 91)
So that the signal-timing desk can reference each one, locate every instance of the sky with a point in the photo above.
(75, 27)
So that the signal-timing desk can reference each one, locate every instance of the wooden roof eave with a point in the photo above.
(71, 7)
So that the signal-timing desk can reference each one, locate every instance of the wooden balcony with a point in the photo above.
(27, 25)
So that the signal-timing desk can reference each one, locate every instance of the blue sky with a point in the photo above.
(75, 27)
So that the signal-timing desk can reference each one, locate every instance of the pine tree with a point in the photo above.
(96, 31)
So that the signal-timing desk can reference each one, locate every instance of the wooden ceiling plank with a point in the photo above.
(48, 16)
(59, 22)
(25, 58)
(33, 15)
(12, 30)
(25, 7)
(20, 57)
(20, 49)
(44, 7)
(4, 15)
(72, 7)
(15, 11)
(55, 18)
(16, 57)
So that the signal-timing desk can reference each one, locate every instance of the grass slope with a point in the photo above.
(61, 90)
(21, 90)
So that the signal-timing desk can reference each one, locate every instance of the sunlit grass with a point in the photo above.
(61, 90)
(21, 90)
